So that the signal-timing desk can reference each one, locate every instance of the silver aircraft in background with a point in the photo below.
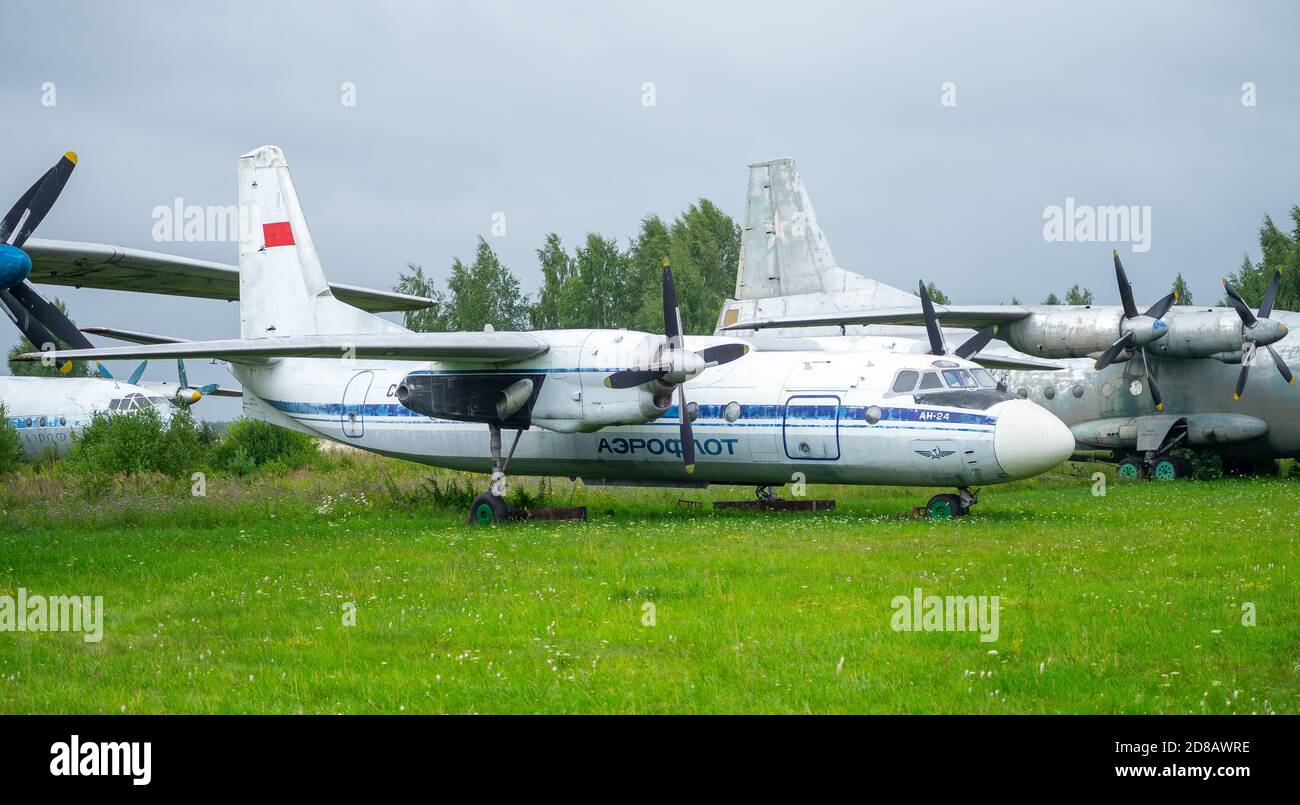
(1137, 383)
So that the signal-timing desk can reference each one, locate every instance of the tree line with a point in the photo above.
(596, 283)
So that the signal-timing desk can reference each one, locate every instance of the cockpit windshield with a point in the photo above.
(136, 401)
(950, 385)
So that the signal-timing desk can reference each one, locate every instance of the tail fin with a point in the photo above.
(282, 289)
(784, 251)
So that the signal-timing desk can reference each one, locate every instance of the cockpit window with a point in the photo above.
(985, 379)
(114, 405)
(906, 381)
(958, 379)
(930, 380)
(157, 401)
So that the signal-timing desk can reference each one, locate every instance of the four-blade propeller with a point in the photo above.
(1256, 327)
(966, 349)
(674, 365)
(1137, 330)
(41, 322)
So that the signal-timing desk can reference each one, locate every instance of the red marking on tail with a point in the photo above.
(278, 234)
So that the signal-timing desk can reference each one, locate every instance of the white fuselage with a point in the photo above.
(48, 412)
(763, 419)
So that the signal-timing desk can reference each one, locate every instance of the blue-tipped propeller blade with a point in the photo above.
(138, 373)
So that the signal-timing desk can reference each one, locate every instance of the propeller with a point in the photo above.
(39, 321)
(967, 348)
(195, 394)
(674, 364)
(1137, 330)
(1257, 328)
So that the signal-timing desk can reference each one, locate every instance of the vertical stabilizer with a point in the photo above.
(784, 251)
(282, 289)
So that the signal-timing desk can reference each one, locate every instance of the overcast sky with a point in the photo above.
(535, 110)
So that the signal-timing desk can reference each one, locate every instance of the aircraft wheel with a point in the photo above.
(1170, 468)
(1130, 469)
(488, 509)
(945, 507)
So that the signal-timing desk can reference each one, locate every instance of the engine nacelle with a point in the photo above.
(1070, 333)
(563, 390)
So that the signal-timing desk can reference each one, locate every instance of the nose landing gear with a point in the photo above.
(947, 506)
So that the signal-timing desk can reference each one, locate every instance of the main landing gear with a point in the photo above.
(490, 507)
(1160, 466)
(947, 506)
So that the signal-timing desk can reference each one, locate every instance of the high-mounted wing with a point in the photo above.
(487, 347)
(973, 316)
(115, 268)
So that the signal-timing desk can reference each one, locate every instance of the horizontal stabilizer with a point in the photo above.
(115, 268)
(486, 347)
(973, 316)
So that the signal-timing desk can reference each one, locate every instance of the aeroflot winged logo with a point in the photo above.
(935, 453)
(278, 234)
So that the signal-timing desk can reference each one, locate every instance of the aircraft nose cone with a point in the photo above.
(15, 265)
(1028, 439)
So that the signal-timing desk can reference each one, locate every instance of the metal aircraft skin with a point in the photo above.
(48, 412)
(789, 284)
(603, 405)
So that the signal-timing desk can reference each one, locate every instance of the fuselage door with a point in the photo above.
(354, 404)
(811, 427)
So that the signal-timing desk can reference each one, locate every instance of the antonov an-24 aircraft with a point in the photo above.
(609, 406)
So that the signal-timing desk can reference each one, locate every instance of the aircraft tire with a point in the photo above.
(488, 509)
(1171, 468)
(945, 507)
(1130, 469)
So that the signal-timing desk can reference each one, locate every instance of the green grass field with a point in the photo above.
(1127, 603)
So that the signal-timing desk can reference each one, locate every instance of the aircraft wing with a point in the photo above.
(116, 268)
(973, 316)
(486, 347)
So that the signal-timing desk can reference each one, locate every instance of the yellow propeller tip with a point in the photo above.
(1160, 406)
(690, 468)
(608, 384)
(1225, 280)
(1114, 252)
(71, 156)
(1175, 296)
(1236, 396)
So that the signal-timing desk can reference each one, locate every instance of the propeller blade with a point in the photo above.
(672, 316)
(1243, 310)
(1241, 381)
(20, 206)
(1125, 290)
(931, 322)
(975, 343)
(1159, 309)
(209, 388)
(1151, 384)
(180, 374)
(28, 325)
(687, 435)
(1281, 365)
(138, 373)
(631, 378)
(1266, 304)
(45, 196)
(723, 353)
(49, 315)
(1108, 357)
